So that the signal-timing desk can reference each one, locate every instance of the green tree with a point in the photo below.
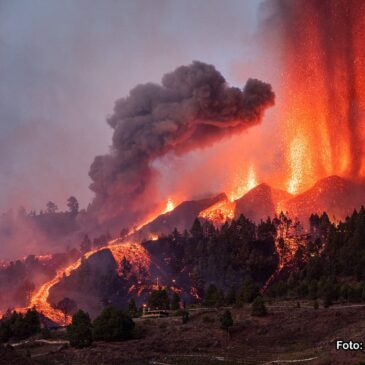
(113, 325)
(85, 245)
(197, 229)
(185, 316)
(159, 299)
(258, 308)
(19, 326)
(32, 322)
(51, 207)
(79, 331)
(132, 308)
(175, 301)
(248, 291)
(73, 205)
(226, 320)
(211, 296)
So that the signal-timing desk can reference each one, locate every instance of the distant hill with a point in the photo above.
(335, 195)
(182, 217)
(260, 202)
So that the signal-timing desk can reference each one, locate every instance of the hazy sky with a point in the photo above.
(64, 63)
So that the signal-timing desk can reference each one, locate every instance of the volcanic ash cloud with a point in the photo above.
(192, 108)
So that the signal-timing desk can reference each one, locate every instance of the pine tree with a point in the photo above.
(132, 308)
(175, 301)
(113, 325)
(85, 245)
(211, 296)
(73, 205)
(226, 320)
(258, 308)
(79, 331)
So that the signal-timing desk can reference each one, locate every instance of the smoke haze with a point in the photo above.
(193, 108)
(62, 66)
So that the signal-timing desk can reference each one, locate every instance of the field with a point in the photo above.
(288, 334)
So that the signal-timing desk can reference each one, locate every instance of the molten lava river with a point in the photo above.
(133, 252)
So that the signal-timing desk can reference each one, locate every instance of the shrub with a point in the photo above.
(185, 317)
(248, 292)
(211, 296)
(79, 331)
(258, 308)
(132, 308)
(113, 325)
(226, 320)
(19, 326)
(175, 301)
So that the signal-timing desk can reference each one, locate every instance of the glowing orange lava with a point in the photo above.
(322, 90)
(133, 252)
(241, 186)
(219, 212)
(170, 205)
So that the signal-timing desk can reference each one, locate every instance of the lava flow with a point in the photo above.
(39, 299)
(225, 209)
(219, 212)
(133, 252)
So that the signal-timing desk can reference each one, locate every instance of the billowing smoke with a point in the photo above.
(321, 46)
(192, 108)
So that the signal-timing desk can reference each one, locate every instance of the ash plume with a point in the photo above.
(192, 108)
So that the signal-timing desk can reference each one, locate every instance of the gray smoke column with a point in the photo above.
(192, 108)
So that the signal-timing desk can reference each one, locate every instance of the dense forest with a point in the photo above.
(332, 264)
(224, 256)
(236, 259)
(238, 252)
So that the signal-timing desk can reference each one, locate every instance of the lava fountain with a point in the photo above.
(322, 87)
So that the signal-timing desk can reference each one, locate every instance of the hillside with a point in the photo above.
(261, 202)
(335, 195)
(287, 333)
(182, 217)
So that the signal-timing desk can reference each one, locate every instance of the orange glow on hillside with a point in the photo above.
(170, 205)
(133, 252)
(219, 212)
(242, 186)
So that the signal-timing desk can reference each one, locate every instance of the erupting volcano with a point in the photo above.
(320, 122)
(322, 90)
(320, 116)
